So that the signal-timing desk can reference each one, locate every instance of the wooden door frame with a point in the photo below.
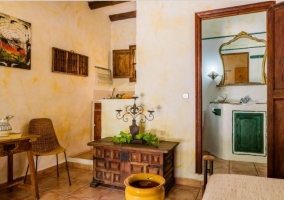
(199, 16)
(275, 93)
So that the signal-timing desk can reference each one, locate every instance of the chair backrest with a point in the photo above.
(48, 140)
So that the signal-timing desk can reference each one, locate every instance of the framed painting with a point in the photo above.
(15, 42)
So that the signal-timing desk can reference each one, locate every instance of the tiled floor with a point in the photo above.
(221, 166)
(53, 188)
(236, 167)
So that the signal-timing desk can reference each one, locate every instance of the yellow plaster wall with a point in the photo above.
(166, 70)
(232, 25)
(123, 34)
(38, 92)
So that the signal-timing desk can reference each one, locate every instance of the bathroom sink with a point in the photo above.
(248, 103)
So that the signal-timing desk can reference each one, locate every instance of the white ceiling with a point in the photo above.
(119, 8)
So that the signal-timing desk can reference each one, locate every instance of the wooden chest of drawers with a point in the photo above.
(113, 163)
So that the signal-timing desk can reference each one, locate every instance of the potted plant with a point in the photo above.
(145, 138)
(149, 138)
(122, 138)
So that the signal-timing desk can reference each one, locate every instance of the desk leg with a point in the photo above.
(33, 175)
(10, 172)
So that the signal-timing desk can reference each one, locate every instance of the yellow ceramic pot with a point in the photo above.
(144, 186)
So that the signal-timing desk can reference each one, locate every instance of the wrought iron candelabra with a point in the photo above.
(134, 111)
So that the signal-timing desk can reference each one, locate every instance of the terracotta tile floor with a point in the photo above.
(221, 166)
(53, 188)
(237, 167)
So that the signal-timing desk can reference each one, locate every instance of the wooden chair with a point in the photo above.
(47, 144)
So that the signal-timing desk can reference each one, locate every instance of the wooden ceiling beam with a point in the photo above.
(100, 4)
(123, 16)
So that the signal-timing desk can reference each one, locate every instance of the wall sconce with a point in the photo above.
(213, 75)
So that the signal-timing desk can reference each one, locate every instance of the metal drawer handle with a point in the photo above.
(124, 156)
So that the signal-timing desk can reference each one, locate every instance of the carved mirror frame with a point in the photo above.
(248, 36)
(199, 16)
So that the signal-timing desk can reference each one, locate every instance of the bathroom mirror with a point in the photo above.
(244, 61)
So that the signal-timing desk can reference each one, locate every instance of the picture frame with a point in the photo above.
(15, 42)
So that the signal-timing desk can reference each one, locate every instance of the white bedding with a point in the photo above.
(241, 187)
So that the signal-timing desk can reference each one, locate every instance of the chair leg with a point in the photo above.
(67, 168)
(36, 162)
(26, 173)
(57, 165)
(28, 169)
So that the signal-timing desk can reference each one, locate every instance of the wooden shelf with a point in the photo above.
(104, 75)
(69, 62)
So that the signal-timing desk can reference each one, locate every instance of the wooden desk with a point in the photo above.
(113, 163)
(10, 146)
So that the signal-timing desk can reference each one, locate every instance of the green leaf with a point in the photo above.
(140, 136)
(122, 138)
(149, 138)
(122, 134)
(116, 139)
(129, 138)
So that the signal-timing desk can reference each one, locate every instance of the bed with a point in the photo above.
(242, 187)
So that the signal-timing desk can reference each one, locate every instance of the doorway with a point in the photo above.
(211, 14)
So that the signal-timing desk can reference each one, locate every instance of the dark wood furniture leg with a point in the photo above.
(33, 175)
(10, 172)
(206, 170)
(95, 183)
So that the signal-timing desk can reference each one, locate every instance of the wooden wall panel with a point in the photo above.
(279, 138)
(279, 49)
